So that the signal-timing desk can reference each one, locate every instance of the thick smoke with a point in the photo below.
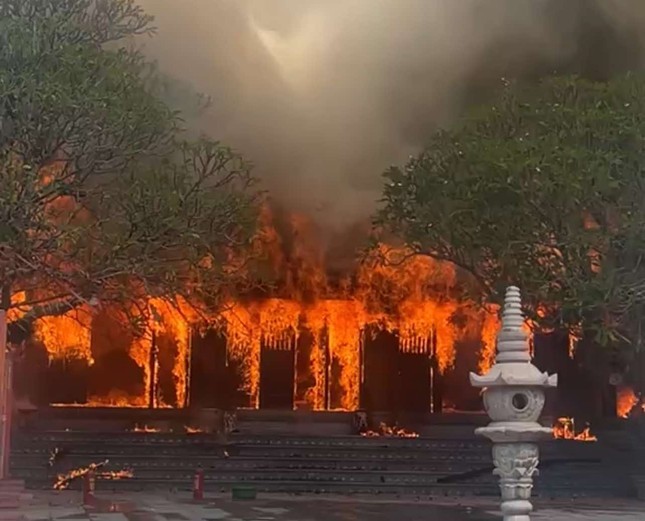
(323, 95)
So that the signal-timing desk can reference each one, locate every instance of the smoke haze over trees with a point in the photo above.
(323, 95)
(101, 197)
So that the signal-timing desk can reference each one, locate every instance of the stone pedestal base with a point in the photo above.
(516, 510)
(516, 464)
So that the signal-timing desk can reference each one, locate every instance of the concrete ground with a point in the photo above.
(179, 507)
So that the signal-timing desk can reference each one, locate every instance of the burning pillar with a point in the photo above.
(513, 392)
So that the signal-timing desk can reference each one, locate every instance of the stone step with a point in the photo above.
(29, 439)
(45, 450)
(339, 461)
(271, 474)
(12, 494)
(154, 438)
(249, 463)
(11, 515)
(435, 490)
(570, 482)
(11, 485)
(285, 449)
(387, 459)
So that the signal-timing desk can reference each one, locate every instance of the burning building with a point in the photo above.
(324, 328)
(387, 332)
(391, 332)
(319, 332)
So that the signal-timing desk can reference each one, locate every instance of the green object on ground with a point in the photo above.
(244, 493)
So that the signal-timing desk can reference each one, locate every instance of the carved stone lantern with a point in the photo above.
(513, 392)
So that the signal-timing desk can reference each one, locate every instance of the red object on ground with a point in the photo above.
(89, 484)
(198, 485)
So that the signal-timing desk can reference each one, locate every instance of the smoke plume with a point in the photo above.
(323, 95)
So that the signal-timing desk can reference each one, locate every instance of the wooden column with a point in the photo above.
(152, 389)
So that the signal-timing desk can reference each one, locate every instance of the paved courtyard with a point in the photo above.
(150, 507)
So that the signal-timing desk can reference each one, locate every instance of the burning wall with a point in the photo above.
(337, 329)
(416, 298)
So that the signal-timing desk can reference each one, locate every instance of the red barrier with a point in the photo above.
(89, 484)
(198, 485)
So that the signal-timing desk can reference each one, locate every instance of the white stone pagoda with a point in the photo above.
(514, 397)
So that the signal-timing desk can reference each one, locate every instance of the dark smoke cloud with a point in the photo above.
(323, 95)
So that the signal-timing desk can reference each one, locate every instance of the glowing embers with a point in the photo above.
(565, 429)
(146, 429)
(387, 431)
(63, 481)
(107, 402)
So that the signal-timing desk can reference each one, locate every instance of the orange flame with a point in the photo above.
(18, 309)
(112, 475)
(344, 320)
(116, 399)
(490, 329)
(626, 400)
(171, 319)
(565, 429)
(67, 336)
(145, 429)
(64, 480)
(389, 432)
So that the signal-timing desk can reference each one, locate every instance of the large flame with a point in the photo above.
(339, 326)
(68, 335)
(489, 332)
(170, 318)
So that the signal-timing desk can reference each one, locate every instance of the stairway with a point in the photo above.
(277, 462)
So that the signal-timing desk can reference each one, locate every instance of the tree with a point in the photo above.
(545, 189)
(101, 197)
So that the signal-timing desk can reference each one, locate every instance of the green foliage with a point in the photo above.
(100, 194)
(543, 189)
